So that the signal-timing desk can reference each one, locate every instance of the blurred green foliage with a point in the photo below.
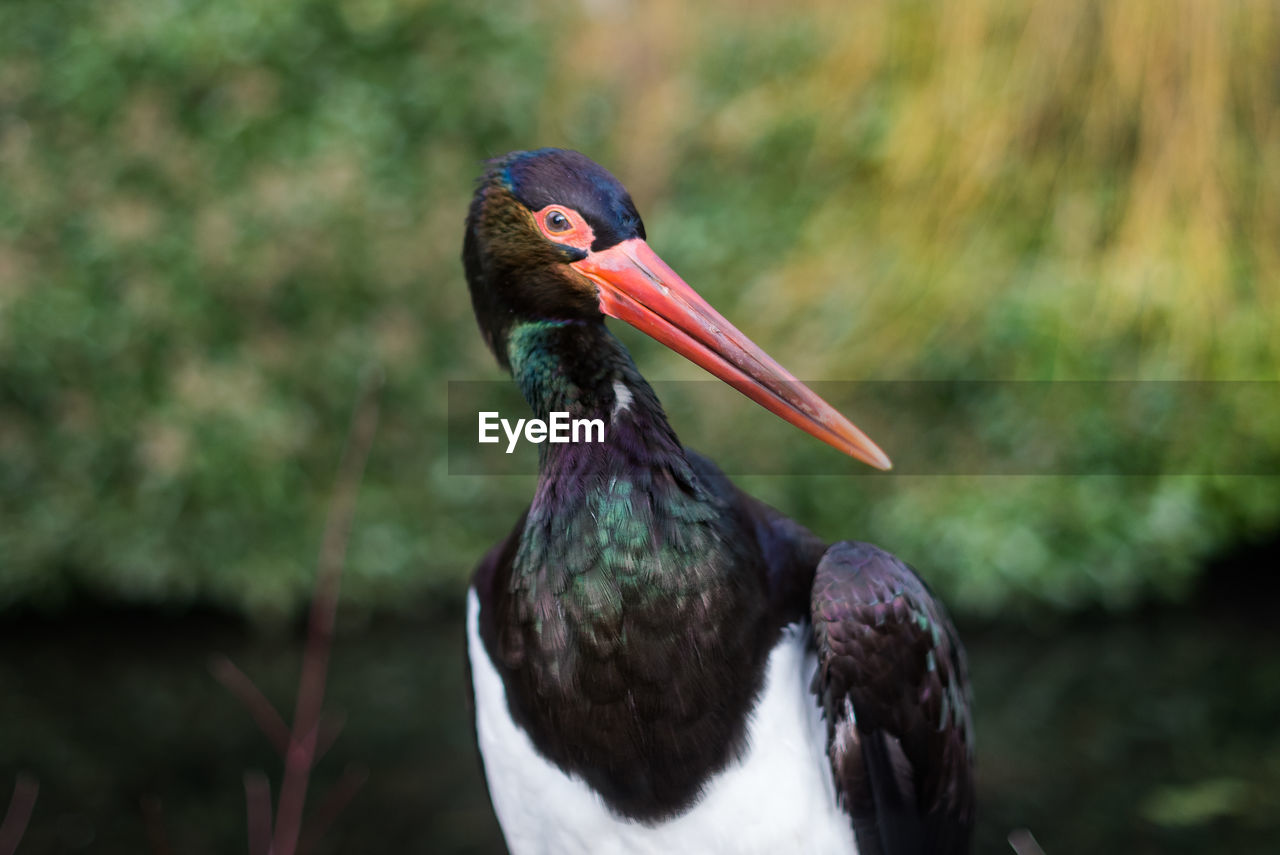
(215, 216)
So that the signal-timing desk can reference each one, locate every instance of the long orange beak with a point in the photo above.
(638, 287)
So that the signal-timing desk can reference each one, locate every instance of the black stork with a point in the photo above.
(659, 662)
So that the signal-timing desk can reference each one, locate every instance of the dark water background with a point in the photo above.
(1150, 734)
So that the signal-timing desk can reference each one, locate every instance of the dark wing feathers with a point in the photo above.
(892, 681)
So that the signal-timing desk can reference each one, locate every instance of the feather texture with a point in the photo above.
(893, 684)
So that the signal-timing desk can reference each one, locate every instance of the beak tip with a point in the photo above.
(878, 459)
(861, 447)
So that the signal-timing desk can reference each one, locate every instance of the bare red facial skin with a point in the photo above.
(578, 234)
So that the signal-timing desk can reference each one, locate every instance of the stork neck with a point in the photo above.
(579, 367)
(635, 489)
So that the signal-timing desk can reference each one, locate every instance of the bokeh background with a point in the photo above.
(216, 218)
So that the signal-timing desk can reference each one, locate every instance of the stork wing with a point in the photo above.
(893, 685)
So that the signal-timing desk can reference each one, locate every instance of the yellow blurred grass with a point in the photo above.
(1144, 135)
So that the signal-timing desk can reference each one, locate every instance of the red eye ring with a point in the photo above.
(557, 222)
(564, 226)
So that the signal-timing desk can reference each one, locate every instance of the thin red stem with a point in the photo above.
(257, 797)
(18, 815)
(324, 606)
(334, 803)
(238, 683)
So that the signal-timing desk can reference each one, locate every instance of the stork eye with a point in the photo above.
(557, 222)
